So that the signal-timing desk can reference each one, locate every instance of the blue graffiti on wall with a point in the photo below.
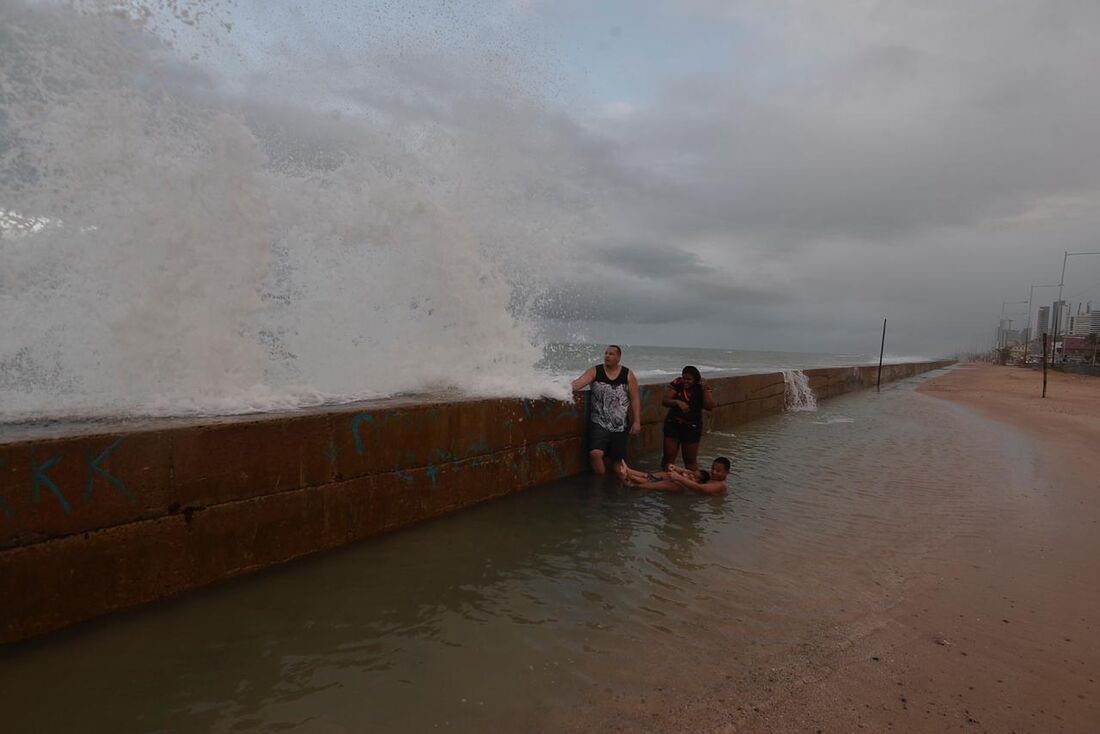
(355, 423)
(43, 483)
(40, 479)
(94, 469)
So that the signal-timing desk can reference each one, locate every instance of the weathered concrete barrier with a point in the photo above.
(108, 518)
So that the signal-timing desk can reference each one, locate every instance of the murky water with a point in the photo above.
(551, 608)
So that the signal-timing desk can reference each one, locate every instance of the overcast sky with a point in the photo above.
(805, 169)
(786, 174)
(756, 174)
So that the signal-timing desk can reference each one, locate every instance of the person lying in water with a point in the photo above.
(719, 470)
(662, 480)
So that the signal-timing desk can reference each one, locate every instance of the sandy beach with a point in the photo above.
(997, 630)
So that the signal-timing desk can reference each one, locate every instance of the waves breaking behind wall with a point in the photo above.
(187, 230)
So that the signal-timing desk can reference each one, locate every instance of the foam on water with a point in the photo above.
(834, 420)
(704, 368)
(172, 244)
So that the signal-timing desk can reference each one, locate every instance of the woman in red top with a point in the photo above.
(686, 398)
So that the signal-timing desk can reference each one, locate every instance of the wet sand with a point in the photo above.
(997, 630)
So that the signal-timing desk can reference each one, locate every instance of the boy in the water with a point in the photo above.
(719, 470)
(661, 480)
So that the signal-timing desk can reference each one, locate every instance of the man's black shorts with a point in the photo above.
(683, 432)
(611, 443)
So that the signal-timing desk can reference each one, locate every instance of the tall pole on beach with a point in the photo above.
(1058, 313)
(881, 349)
(1044, 364)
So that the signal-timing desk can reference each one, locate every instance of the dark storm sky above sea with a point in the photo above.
(752, 174)
(830, 164)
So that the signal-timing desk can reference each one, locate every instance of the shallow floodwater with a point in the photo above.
(556, 607)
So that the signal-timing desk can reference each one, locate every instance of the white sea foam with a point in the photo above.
(704, 368)
(833, 420)
(170, 247)
(655, 373)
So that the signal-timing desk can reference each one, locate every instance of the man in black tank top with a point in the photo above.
(613, 399)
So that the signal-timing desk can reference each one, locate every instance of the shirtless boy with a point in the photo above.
(661, 480)
(719, 470)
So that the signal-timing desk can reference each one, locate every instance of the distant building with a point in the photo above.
(1094, 322)
(1005, 336)
(1060, 314)
(1043, 327)
(1079, 324)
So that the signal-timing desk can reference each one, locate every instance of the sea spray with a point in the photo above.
(798, 396)
(172, 244)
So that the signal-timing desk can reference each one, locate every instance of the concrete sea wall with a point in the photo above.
(106, 518)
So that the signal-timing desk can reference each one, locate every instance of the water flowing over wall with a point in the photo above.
(799, 395)
(103, 518)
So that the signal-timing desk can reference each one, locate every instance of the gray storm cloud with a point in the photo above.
(850, 162)
(918, 161)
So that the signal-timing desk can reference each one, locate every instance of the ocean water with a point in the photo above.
(652, 364)
(575, 606)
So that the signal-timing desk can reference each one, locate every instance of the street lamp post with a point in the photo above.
(1058, 316)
